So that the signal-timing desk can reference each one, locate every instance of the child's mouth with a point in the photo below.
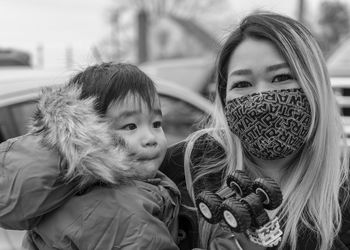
(144, 157)
(148, 158)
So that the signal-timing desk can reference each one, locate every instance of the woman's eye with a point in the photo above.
(242, 84)
(282, 78)
(157, 124)
(130, 126)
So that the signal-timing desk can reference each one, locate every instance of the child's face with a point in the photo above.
(141, 129)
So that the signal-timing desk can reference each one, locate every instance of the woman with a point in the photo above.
(275, 117)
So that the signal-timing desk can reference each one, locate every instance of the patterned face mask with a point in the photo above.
(271, 125)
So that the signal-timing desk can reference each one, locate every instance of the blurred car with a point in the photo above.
(182, 111)
(19, 89)
(341, 87)
(192, 73)
(338, 64)
(13, 57)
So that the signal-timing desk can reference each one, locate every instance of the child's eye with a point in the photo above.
(130, 126)
(282, 78)
(241, 84)
(157, 124)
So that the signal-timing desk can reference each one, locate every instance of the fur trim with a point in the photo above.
(73, 128)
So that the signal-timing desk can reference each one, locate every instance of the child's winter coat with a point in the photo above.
(69, 183)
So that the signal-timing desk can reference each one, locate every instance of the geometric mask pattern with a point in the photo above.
(272, 124)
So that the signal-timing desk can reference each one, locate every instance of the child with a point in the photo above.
(86, 175)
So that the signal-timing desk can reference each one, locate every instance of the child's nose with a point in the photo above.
(151, 143)
(149, 139)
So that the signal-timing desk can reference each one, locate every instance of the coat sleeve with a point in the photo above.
(136, 234)
(30, 182)
(146, 234)
(212, 237)
(219, 237)
(216, 237)
(105, 218)
(344, 234)
(173, 167)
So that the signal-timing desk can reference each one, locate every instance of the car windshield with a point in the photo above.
(180, 117)
(339, 62)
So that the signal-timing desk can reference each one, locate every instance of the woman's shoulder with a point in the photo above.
(344, 233)
(203, 147)
(204, 144)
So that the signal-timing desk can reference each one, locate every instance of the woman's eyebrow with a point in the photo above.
(277, 67)
(240, 72)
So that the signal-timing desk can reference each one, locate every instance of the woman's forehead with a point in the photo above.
(254, 53)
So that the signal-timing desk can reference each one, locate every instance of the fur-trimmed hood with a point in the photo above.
(89, 150)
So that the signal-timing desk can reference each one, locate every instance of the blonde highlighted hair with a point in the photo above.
(311, 187)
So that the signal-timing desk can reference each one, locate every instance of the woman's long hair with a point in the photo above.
(311, 186)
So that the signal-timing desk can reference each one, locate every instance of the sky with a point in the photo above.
(52, 21)
(54, 24)
(81, 24)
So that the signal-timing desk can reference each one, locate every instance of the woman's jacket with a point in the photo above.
(219, 237)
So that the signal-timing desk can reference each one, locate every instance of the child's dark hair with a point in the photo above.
(112, 82)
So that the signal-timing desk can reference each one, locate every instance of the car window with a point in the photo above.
(2, 137)
(14, 119)
(179, 118)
